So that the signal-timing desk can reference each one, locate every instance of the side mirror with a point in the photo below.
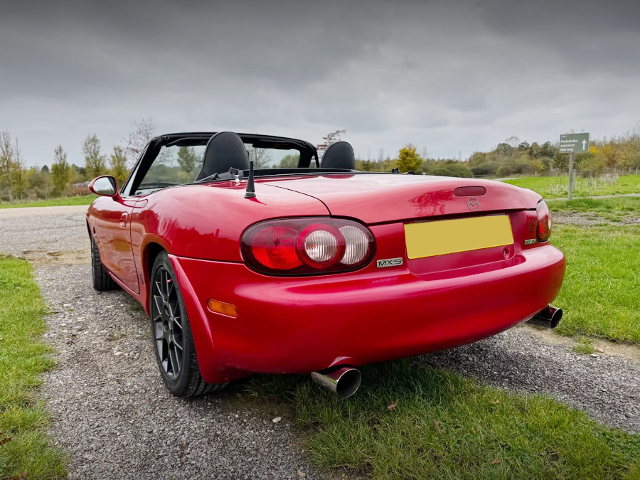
(105, 186)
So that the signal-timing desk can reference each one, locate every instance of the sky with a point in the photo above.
(451, 77)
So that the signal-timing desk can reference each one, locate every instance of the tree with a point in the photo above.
(142, 132)
(408, 159)
(611, 153)
(187, 159)
(118, 164)
(60, 171)
(546, 150)
(7, 164)
(289, 161)
(94, 161)
(19, 178)
(261, 157)
(329, 139)
(40, 181)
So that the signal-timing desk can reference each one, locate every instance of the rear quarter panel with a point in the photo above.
(207, 221)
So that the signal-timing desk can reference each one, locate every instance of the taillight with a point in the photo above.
(307, 246)
(544, 221)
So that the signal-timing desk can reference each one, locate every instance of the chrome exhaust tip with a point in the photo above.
(548, 317)
(344, 381)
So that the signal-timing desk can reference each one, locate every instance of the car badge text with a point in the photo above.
(389, 262)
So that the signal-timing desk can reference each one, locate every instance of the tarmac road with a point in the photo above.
(110, 410)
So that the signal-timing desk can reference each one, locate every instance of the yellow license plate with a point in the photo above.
(429, 239)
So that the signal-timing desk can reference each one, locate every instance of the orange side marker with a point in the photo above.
(221, 307)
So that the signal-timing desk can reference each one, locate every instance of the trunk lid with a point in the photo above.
(387, 198)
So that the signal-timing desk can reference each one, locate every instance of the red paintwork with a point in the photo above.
(302, 324)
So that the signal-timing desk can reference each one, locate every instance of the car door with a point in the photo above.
(113, 237)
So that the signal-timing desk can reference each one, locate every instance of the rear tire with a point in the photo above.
(101, 279)
(171, 334)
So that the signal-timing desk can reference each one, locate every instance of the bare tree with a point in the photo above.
(142, 132)
(19, 180)
(7, 163)
(261, 157)
(328, 140)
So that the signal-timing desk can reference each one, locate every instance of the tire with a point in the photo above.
(171, 334)
(101, 279)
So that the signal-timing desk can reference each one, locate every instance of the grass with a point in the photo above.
(600, 295)
(557, 187)
(414, 422)
(54, 202)
(25, 448)
(584, 346)
(614, 209)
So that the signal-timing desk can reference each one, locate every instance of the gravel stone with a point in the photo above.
(111, 412)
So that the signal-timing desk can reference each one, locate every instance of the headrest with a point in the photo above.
(339, 155)
(225, 150)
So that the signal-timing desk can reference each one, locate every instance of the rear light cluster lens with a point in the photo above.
(544, 221)
(307, 246)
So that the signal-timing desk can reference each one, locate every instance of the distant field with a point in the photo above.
(600, 294)
(558, 187)
(614, 209)
(54, 202)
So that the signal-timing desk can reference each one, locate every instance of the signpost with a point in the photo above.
(573, 143)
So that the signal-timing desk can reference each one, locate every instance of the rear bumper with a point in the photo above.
(299, 325)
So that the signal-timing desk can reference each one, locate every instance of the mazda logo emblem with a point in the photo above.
(473, 204)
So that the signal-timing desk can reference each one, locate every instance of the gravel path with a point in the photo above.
(111, 412)
(109, 408)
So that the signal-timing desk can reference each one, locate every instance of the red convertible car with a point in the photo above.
(316, 267)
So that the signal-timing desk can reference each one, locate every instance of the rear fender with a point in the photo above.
(211, 368)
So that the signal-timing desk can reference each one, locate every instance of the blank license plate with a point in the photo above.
(429, 239)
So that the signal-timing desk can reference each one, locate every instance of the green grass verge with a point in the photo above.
(413, 422)
(557, 187)
(601, 291)
(24, 443)
(614, 209)
(54, 202)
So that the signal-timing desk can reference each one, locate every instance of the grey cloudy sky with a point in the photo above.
(449, 76)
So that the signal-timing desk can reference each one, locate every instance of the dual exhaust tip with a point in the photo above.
(345, 381)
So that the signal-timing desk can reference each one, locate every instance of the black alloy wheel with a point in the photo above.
(172, 338)
(167, 323)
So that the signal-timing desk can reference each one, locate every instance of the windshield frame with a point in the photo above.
(307, 152)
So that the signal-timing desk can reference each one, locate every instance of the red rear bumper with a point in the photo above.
(299, 325)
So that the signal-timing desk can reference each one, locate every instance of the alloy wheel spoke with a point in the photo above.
(176, 323)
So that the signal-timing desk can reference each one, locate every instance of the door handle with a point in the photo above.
(123, 220)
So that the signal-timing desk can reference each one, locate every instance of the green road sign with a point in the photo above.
(574, 143)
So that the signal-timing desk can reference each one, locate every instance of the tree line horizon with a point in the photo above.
(511, 157)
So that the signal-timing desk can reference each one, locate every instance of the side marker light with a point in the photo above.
(221, 307)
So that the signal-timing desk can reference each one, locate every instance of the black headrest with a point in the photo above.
(225, 150)
(339, 155)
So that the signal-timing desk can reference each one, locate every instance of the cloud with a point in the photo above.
(451, 76)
